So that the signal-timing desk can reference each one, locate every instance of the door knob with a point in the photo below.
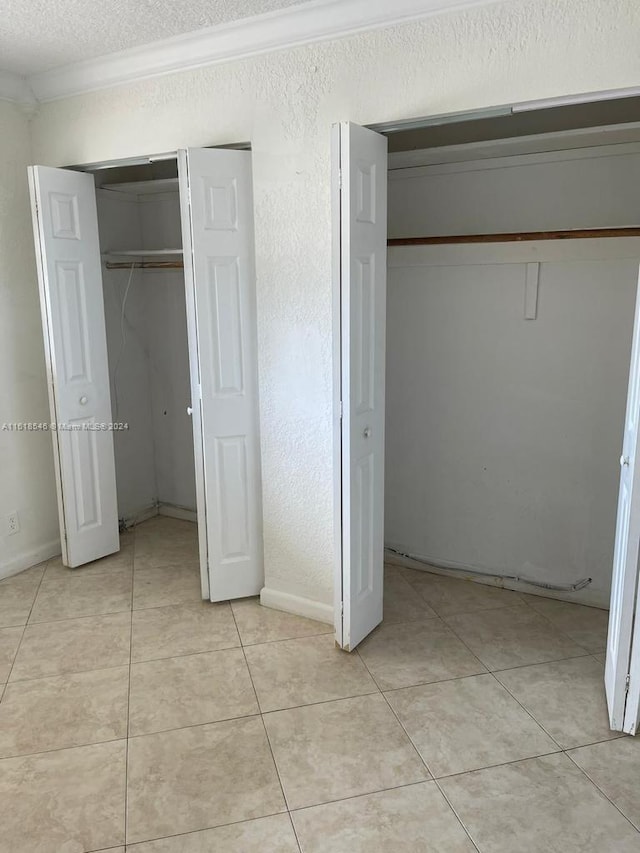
(367, 432)
(624, 460)
(84, 400)
(189, 411)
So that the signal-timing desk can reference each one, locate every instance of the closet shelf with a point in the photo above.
(145, 259)
(142, 253)
(162, 185)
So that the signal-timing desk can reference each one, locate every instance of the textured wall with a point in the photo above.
(26, 460)
(284, 103)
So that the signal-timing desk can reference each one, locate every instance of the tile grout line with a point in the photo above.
(595, 784)
(266, 733)
(497, 680)
(454, 810)
(62, 749)
(523, 601)
(188, 832)
(419, 754)
(65, 673)
(522, 666)
(308, 705)
(126, 758)
(555, 627)
(24, 629)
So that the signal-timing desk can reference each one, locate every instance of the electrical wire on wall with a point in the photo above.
(569, 587)
(123, 342)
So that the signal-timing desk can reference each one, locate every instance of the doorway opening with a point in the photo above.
(506, 341)
(146, 324)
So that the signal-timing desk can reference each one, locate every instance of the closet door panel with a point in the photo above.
(219, 260)
(70, 278)
(360, 233)
(622, 668)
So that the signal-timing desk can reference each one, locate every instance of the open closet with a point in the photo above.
(146, 324)
(147, 284)
(486, 355)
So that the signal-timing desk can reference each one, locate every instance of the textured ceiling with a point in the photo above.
(37, 35)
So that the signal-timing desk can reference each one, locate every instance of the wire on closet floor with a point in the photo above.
(123, 340)
(569, 587)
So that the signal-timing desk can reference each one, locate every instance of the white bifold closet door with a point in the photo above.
(622, 671)
(217, 230)
(69, 272)
(216, 198)
(360, 246)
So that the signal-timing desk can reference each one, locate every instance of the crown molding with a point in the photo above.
(318, 20)
(16, 89)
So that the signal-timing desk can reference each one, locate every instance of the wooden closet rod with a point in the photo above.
(515, 237)
(144, 265)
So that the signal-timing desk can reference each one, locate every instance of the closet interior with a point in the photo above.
(510, 306)
(145, 314)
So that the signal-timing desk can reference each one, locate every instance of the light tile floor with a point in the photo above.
(132, 713)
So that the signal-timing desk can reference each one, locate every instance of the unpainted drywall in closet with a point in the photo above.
(503, 435)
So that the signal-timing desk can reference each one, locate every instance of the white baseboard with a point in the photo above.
(30, 558)
(297, 605)
(586, 596)
(172, 511)
(141, 515)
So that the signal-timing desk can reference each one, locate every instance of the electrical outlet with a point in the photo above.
(13, 523)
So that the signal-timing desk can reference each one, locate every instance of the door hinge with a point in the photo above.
(627, 681)
(341, 409)
(339, 179)
(199, 391)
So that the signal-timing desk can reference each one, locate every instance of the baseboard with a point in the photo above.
(140, 515)
(297, 605)
(30, 558)
(586, 596)
(173, 511)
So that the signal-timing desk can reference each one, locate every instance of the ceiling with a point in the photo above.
(38, 35)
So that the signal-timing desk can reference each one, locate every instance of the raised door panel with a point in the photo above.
(622, 701)
(69, 270)
(363, 242)
(223, 333)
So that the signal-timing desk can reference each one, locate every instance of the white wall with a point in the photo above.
(166, 336)
(552, 191)
(504, 434)
(284, 103)
(170, 388)
(26, 459)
